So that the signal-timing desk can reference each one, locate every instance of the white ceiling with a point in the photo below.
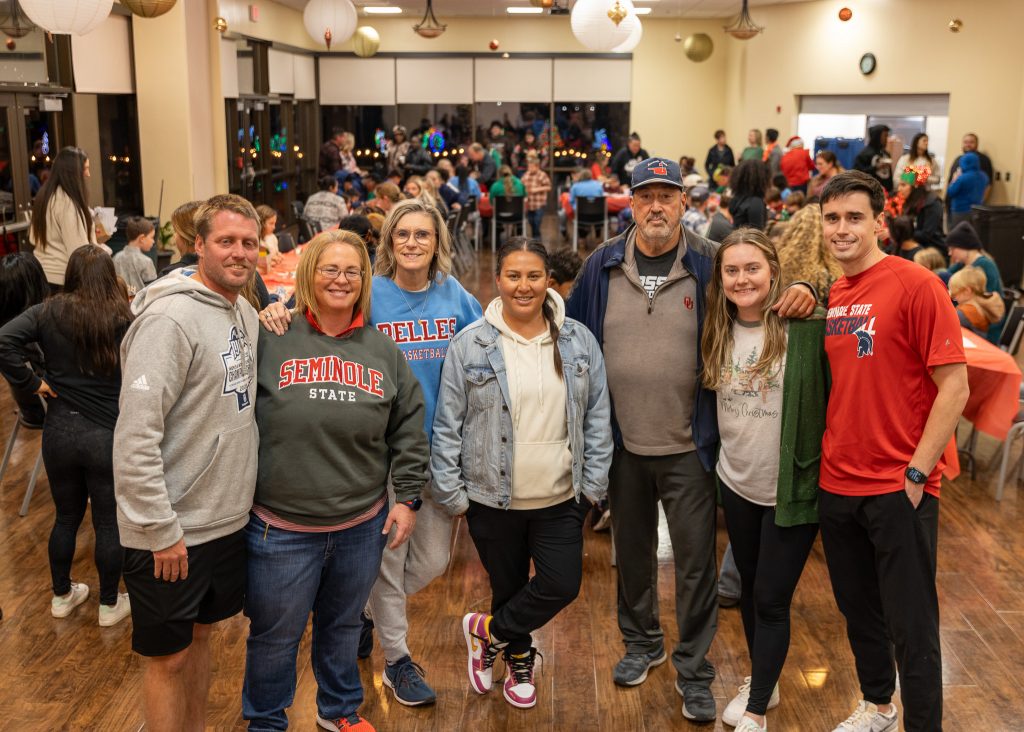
(496, 8)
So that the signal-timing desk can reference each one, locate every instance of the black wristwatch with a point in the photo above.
(413, 504)
(916, 476)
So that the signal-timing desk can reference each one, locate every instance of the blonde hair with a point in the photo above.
(930, 258)
(305, 275)
(427, 192)
(441, 264)
(183, 221)
(209, 208)
(716, 342)
(266, 213)
(968, 278)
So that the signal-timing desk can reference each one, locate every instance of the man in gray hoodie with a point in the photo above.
(185, 450)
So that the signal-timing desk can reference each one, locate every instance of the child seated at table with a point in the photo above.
(565, 265)
(268, 239)
(978, 310)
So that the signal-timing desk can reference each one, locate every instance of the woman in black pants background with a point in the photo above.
(79, 332)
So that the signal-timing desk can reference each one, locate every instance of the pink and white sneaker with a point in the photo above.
(519, 689)
(482, 651)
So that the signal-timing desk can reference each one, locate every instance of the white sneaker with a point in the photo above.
(734, 710)
(867, 718)
(749, 725)
(61, 607)
(114, 614)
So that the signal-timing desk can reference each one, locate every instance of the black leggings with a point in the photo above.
(770, 559)
(78, 455)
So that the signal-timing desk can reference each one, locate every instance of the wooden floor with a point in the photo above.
(73, 675)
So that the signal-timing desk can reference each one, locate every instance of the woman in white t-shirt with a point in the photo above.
(920, 156)
(771, 379)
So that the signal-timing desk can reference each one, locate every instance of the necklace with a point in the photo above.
(423, 305)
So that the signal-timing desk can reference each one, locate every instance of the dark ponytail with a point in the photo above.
(525, 244)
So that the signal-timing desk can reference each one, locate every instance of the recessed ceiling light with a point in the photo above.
(382, 10)
(524, 11)
(643, 11)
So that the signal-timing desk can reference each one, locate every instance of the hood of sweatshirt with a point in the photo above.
(991, 306)
(173, 283)
(970, 162)
(494, 316)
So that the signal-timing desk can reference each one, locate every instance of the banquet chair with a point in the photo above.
(508, 211)
(591, 211)
(1018, 469)
(36, 469)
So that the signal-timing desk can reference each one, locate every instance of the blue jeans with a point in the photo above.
(290, 575)
(534, 217)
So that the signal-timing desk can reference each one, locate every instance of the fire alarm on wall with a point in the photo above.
(254, 13)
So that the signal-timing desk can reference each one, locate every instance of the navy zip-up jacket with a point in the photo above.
(589, 298)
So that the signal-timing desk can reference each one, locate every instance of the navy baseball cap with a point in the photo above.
(656, 170)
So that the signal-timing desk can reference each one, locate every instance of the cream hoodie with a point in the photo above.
(541, 459)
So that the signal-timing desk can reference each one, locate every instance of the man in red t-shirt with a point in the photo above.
(899, 385)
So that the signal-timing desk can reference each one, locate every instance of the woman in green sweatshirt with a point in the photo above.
(337, 408)
(771, 379)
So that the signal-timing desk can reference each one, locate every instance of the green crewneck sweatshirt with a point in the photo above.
(335, 414)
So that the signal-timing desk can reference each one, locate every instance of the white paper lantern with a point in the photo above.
(635, 34)
(67, 16)
(592, 26)
(330, 22)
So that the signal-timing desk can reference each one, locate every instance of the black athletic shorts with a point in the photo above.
(163, 613)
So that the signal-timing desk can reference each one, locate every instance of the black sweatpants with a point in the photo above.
(881, 560)
(770, 559)
(78, 455)
(506, 542)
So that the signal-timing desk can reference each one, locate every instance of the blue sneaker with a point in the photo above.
(405, 679)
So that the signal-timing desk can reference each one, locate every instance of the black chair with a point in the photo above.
(307, 230)
(473, 216)
(285, 242)
(591, 211)
(1013, 328)
(508, 211)
(297, 208)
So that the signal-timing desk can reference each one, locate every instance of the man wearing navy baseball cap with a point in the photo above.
(642, 295)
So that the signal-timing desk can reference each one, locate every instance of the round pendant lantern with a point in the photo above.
(330, 21)
(635, 34)
(76, 17)
(15, 23)
(366, 41)
(148, 8)
(601, 25)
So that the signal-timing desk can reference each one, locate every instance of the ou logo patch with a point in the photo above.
(688, 302)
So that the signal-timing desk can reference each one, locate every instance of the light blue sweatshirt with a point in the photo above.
(422, 324)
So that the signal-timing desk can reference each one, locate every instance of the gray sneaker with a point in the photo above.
(698, 702)
(632, 669)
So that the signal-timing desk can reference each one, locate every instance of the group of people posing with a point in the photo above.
(314, 465)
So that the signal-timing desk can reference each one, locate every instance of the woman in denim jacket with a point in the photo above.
(522, 444)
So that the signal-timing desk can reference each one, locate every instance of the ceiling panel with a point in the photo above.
(496, 8)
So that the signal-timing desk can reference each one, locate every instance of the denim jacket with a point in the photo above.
(471, 453)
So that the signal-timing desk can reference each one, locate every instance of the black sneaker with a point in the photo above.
(405, 679)
(632, 669)
(698, 702)
(365, 637)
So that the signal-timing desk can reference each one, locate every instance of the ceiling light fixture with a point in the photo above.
(744, 28)
(429, 27)
(382, 10)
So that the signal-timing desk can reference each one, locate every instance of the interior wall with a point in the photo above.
(677, 104)
(87, 136)
(981, 68)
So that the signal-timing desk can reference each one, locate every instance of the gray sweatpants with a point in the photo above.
(407, 570)
(687, 493)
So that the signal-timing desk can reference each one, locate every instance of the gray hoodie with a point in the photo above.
(185, 445)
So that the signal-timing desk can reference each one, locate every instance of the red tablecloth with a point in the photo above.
(994, 378)
(280, 279)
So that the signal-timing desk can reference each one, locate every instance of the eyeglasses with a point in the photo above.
(332, 273)
(422, 236)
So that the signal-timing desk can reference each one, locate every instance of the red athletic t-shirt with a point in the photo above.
(887, 328)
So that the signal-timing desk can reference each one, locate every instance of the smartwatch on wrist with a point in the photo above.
(413, 504)
(915, 476)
